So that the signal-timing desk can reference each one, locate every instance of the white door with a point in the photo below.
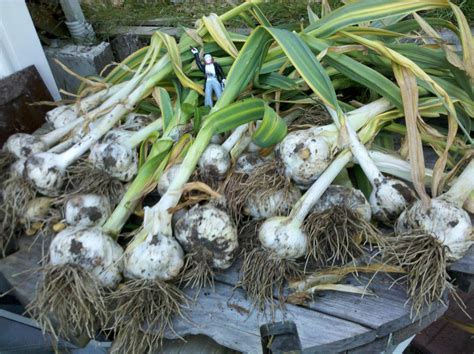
(19, 44)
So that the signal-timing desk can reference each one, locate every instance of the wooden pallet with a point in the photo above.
(332, 322)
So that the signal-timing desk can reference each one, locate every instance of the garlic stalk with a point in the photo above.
(46, 170)
(120, 100)
(23, 145)
(389, 197)
(396, 166)
(63, 115)
(85, 260)
(283, 240)
(156, 236)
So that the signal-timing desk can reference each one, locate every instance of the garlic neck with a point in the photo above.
(312, 195)
(230, 142)
(462, 187)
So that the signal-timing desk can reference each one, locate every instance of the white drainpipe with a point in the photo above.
(81, 31)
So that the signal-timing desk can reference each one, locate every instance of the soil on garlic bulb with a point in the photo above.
(24, 145)
(214, 164)
(87, 210)
(209, 237)
(389, 199)
(305, 156)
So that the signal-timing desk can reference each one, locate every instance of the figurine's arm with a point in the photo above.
(219, 72)
(197, 59)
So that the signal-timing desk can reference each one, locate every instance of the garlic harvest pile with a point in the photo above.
(143, 208)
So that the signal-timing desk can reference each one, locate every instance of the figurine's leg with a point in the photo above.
(217, 88)
(208, 94)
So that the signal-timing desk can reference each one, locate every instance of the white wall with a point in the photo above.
(19, 44)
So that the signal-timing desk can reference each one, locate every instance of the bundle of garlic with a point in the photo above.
(192, 201)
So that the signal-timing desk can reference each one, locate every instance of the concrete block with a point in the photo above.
(81, 59)
(125, 44)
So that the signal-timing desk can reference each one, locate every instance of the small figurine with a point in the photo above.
(215, 79)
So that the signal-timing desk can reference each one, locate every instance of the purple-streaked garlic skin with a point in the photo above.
(210, 230)
(305, 156)
(157, 258)
(91, 249)
(389, 198)
(87, 210)
(342, 196)
(24, 145)
(450, 224)
(214, 162)
(283, 237)
(268, 204)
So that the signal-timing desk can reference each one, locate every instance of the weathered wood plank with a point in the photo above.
(21, 269)
(333, 320)
(386, 312)
(465, 264)
(380, 344)
(225, 315)
(462, 271)
(222, 314)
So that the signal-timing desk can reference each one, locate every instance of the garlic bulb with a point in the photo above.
(207, 229)
(90, 249)
(87, 210)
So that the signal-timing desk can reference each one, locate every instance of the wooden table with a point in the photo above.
(462, 271)
(332, 322)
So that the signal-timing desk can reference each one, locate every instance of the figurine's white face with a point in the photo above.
(208, 58)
